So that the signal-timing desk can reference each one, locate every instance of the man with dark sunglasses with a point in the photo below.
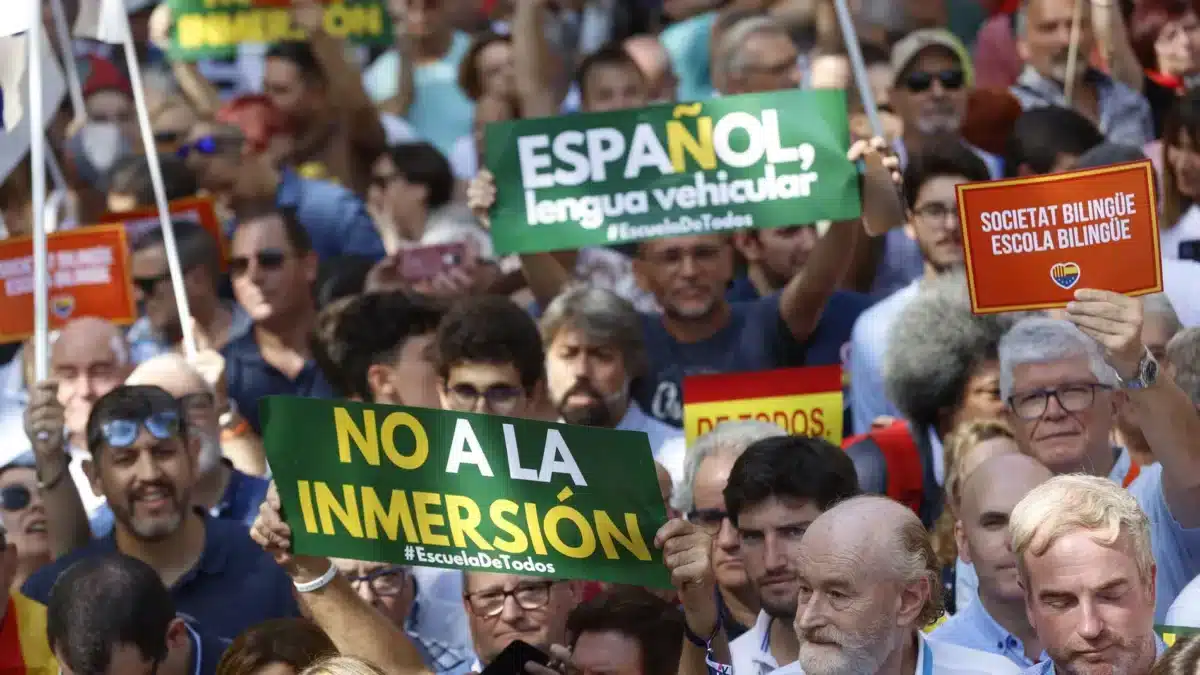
(144, 463)
(335, 218)
(272, 268)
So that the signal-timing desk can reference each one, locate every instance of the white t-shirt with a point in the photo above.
(1185, 611)
(1187, 229)
(751, 651)
(1181, 283)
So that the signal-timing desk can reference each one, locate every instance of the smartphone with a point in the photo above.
(1190, 250)
(512, 660)
(423, 263)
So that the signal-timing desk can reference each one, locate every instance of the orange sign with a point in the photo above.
(198, 210)
(89, 276)
(803, 401)
(1030, 242)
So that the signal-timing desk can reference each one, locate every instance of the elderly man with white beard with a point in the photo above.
(868, 582)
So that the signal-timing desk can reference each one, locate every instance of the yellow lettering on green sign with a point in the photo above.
(366, 438)
(396, 515)
(608, 532)
(346, 511)
(426, 521)
(680, 141)
(499, 512)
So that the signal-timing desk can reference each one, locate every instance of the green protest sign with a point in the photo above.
(1170, 634)
(601, 179)
(214, 28)
(474, 492)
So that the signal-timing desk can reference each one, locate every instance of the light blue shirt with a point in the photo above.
(336, 220)
(868, 346)
(1176, 550)
(974, 628)
(666, 442)
(441, 113)
(1047, 667)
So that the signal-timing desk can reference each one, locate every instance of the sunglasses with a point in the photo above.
(207, 146)
(268, 259)
(122, 433)
(15, 497)
(147, 285)
(920, 80)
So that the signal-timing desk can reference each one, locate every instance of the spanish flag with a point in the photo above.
(24, 649)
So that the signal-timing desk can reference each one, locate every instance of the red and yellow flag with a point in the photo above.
(23, 646)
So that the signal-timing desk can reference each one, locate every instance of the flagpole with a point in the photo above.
(156, 179)
(37, 161)
(74, 87)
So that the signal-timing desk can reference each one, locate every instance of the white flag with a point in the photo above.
(14, 86)
(102, 20)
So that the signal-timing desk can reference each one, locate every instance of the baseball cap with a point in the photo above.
(911, 45)
(102, 75)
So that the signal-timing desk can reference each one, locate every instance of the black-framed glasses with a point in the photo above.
(385, 582)
(15, 497)
(147, 285)
(122, 433)
(1073, 398)
(268, 259)
(499, 397)
(529, 597)
(937, 211)
(920, 80)
(709, 520)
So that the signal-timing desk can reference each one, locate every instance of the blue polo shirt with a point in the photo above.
(336, 220)
(974, 628)
(249, 378)
(234, 585)
(243, 495)
(207, 650)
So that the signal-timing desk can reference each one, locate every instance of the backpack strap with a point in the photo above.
(905, 476)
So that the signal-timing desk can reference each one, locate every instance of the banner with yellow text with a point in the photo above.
(205, 29)
(474, 492)
(804, 401)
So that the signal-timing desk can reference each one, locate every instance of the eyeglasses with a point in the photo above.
(199, 402)
(499, 397)
(147, 285)
(385, 582)
(15, 497)
(919, 81)
(122, 433)
(936, 211)
(1072, 398)
(206, 146)
(268, 259)
(709, 520)
(487, 604)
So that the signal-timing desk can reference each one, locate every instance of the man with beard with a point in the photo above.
(867, 581)
(144, 463)
(930, 198)
(1043, 42)
(776, 489)
(1088, 570)
(997, 622)
(594, 350)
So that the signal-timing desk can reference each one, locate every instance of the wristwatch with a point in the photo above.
(1145, 376)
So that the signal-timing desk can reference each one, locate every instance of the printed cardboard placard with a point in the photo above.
(732, 163)
(205, 29)
(415, 486)
(803, 401)
(1030, 242)
(88, 270)
(196, 210)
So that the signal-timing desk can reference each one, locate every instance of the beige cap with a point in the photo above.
(918, 41)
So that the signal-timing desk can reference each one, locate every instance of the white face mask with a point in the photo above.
(102, 144)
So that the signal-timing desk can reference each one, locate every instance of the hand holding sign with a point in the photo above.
(211, 366)
(275, 537)
(881, 180)
(481, 195)
(45, 420)
(1115, 321)
(686, 553)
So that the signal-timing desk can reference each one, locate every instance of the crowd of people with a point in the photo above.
(1016, 492)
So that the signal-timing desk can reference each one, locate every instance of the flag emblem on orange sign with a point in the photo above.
(1065, 275)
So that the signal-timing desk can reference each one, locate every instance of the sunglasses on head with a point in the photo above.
(919, 81)
(122, 433)
(15, 497)
(268, 258)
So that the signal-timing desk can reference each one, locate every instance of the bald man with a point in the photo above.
(654, 62)
(996, 622)
(868, 582)
(88, 359)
